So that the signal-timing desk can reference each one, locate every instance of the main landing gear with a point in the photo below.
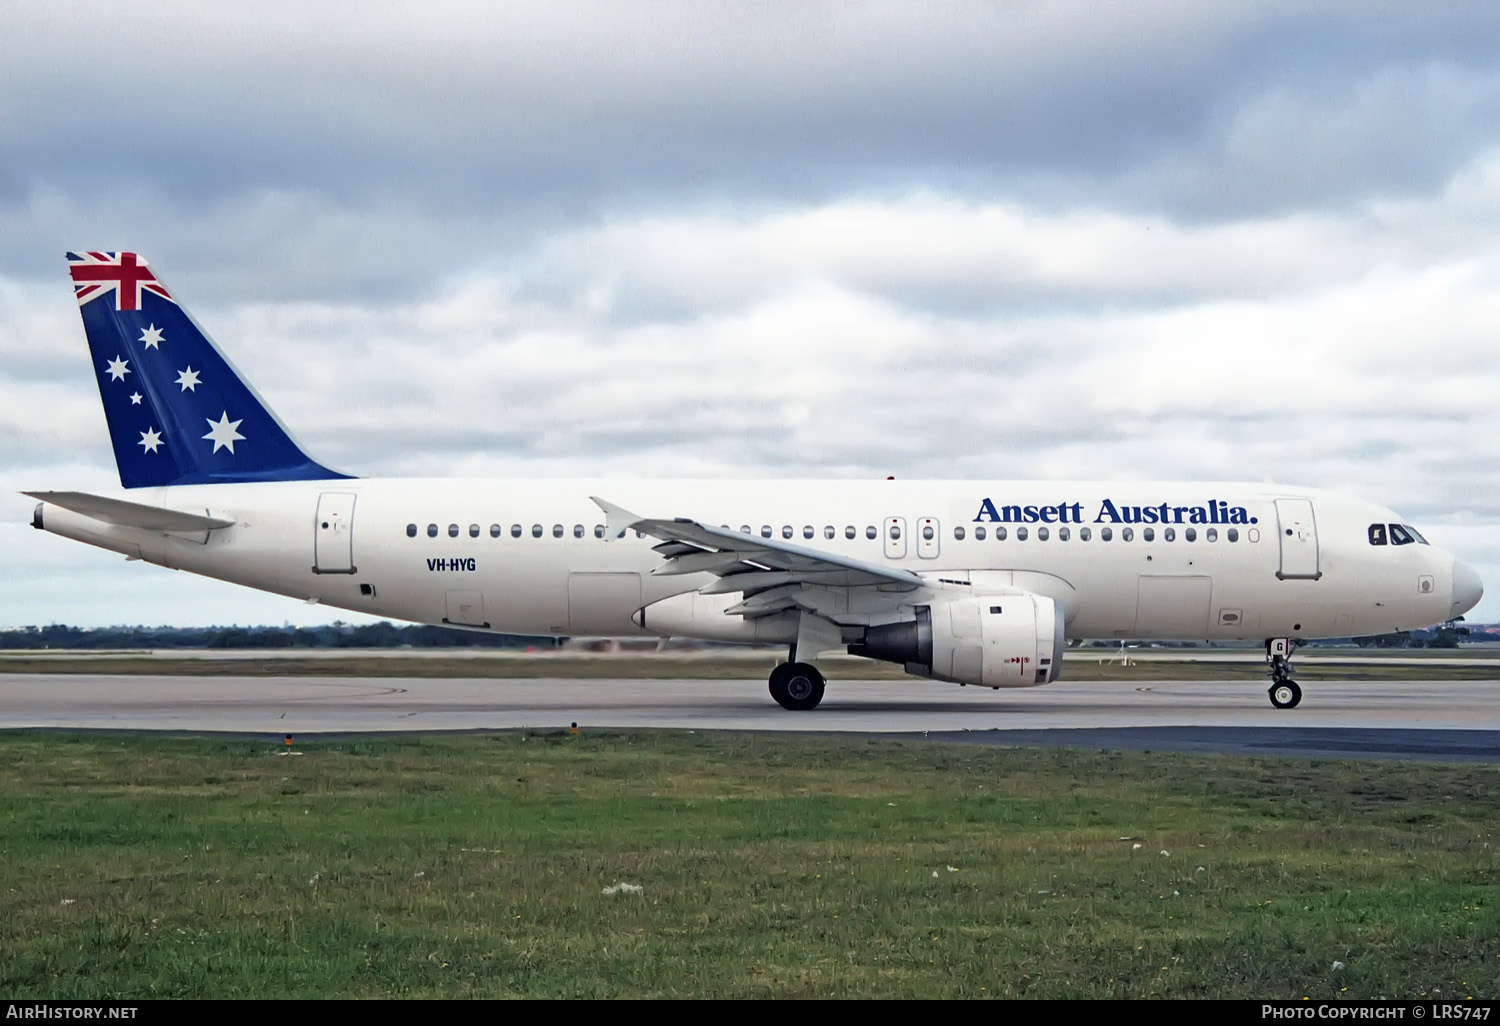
(1285, 694)
(797, 686)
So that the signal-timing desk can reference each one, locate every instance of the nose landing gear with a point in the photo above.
(1284, 692)
(797, 686)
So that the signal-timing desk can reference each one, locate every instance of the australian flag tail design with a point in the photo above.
(178, 412)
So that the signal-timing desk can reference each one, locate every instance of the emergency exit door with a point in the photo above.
(895, 537)
(333, 534)
(928, 542)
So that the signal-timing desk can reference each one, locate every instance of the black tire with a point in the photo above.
(1285, 694)
(797, 686)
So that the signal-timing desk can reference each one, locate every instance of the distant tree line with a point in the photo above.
(1444, 635)
(335, 635)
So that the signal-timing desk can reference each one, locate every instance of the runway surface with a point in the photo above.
(1405, 719)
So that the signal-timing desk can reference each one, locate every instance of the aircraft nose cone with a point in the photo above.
(1468, 589)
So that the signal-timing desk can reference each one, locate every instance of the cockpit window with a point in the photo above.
(1415, 534)
(1377, 534)
(1401, 536)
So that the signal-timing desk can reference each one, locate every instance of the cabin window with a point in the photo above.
(557, 530)
(1063, 534)
(1000, 534)
(829, 532)
(786, 530)
(515, 530)
(1042, 534)
(473, 530)
(1148, 534)
(1127, 534)
(765, 530)
(452, 530)
(1233, 534)
(432, 530)
(979, 534)
(1191, 534)
(808, 532)
(849, 532)
(1106, 533)
(1084, 534)
(411, 530)
(927, 532)
(1212, 534)
(744, 529)
(598, 530)
(494, 530)
(536, 530)
(1020, 534)
(1169, 534)
(1400, 535)
(895, 532)
(577, 530)
(958, 533)
(870, 533)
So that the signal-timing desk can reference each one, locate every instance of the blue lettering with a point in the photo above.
(987, 513)
(1107, 511)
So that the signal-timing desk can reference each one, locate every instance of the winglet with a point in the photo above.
(617, 519)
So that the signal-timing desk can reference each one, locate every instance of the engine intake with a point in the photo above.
(1004, 641)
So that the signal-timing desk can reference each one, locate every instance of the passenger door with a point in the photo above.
(333, 534)
(1298, 533)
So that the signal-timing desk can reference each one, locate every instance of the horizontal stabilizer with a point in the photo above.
(131, 514)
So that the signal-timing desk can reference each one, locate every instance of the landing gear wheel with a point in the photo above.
(797, 686)
(1285, 694)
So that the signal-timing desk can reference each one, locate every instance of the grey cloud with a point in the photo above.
(519, 118)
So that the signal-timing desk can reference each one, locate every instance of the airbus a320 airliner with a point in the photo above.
(977, 582)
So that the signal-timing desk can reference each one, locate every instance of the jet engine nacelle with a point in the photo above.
(1000, 641)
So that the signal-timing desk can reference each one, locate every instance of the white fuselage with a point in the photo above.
(1223, 560)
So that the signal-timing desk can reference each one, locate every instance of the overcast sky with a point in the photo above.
(992, 240)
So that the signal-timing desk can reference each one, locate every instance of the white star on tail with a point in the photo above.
(188, 379)
(150, 440)
(223, 433)
(135, 399)
(152, 337)
(118, 368)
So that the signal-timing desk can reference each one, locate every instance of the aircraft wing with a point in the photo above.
(131, 514)
(749, 563)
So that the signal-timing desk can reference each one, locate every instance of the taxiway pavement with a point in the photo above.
(1409, 719)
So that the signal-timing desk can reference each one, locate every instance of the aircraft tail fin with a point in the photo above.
(178, 411)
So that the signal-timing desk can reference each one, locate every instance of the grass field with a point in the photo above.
(767, 866)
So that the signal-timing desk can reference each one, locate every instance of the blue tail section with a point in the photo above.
(177, 411)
